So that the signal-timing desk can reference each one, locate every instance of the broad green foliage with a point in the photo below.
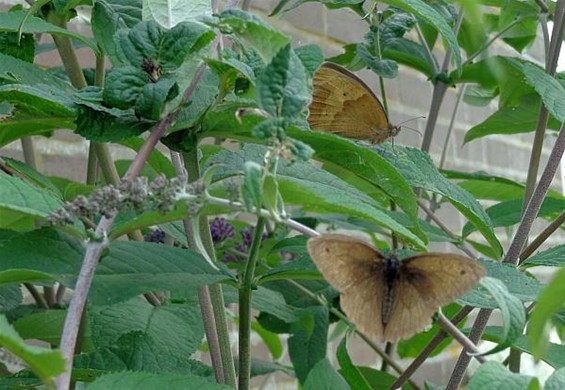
(180, 74)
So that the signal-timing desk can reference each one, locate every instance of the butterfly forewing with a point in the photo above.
(427, 282)
(344, 261)
(343, 104)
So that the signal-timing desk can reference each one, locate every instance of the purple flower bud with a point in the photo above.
(221, 229)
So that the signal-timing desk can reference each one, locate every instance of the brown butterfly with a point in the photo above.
(388, 299)
(343, 104)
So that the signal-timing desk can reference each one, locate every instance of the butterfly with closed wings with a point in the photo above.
(343, 104)
(388, 299)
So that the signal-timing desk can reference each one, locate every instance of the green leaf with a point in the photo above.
(152, 99)
(251, 190)
(167, 49)
(110, 16)
(524, 287)
(253, 31)
(123, 86)
(512, 310)
(348, 370)
(308, 343)
(170, 14)
(485, 186)
(11, 21)
(24, 200)
(145, 326)
(271, 340)
(100, 124)
(315, 190)
(419, 170)
(556, 381)
(148, 381)
(509, 213)
(45, 363)
(346, 159)
(301, 269)
(133, 268)
(430, 15)
(281, 85)
(324, 377)
(408, 53)
(16, 71)
(549, 302)
(493, 375)
(384, 68)
(519, 21)
(552, 257)
(551, 91)
(10, 297)
(519, 118)
(39, 100)
(42, 253)
(311, 57)
(48, 326)
(554, 356)
(32, 176)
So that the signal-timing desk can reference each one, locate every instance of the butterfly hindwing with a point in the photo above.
(427, 282)
(343, 104)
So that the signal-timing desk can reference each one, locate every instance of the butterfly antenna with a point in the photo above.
(411, 128)
(411, 119)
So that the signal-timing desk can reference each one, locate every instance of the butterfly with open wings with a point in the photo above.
(388, 299)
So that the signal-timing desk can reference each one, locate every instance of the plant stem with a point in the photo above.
(442, 226)
(464, 359)
(437, 97)
(36, 296)
(512, 256)
(245, 293)
(427, 351)
(67, 52)
(95, 248)
(216, 331)
(540, 239)
(550, 66)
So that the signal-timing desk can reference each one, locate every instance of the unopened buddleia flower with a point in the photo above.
(220, 229)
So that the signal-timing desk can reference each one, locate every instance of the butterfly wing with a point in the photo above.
(355, 269)
(343, 104)
(427, 282)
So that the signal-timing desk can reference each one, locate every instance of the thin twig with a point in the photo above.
(95, 248)
(550, 66)
(442, 226)
(512, 256)
(540, 239)
(464, 358)
(427, 351)
(206, 308)
(36, 296)
(448, 327)
(245, 295)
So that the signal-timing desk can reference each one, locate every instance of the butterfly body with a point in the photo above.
(391, 272)
(343, 104)
(388, 299)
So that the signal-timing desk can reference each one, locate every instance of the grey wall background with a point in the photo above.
(409, 97)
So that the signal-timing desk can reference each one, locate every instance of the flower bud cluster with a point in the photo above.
(136, 194)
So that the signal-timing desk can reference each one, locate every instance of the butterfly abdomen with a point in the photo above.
(391, 273)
